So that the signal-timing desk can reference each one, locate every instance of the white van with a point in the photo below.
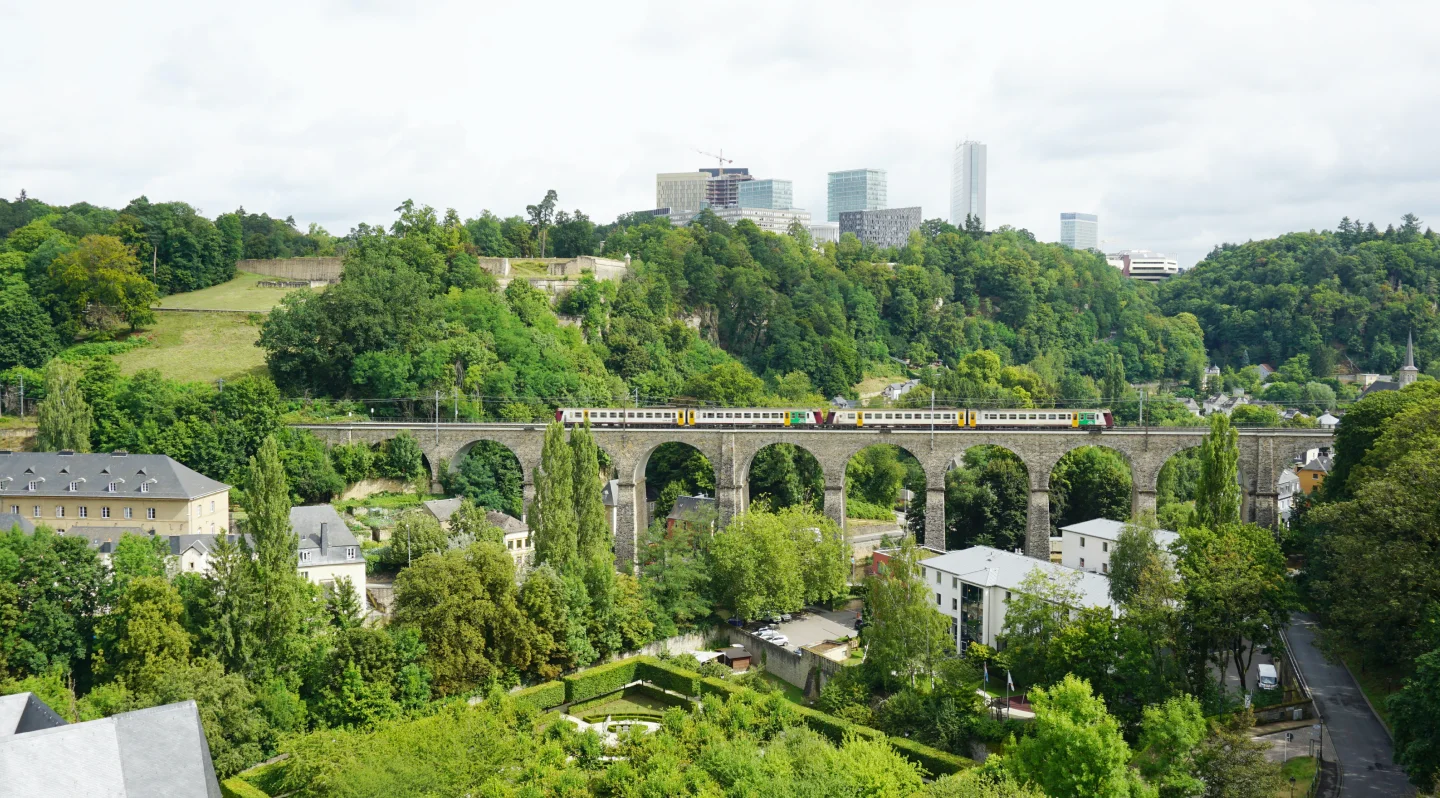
(1269, 678)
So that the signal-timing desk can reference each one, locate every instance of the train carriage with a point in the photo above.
(692, 417)
(884, 418)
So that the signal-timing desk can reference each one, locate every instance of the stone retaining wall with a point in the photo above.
(308, 269)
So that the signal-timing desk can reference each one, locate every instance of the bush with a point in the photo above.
(656, 694)
(353, 461)
(939, 763)
(236, 787)
(600, 680)
(667, 676)
(857, 508)
(718, 687)
(543, 696)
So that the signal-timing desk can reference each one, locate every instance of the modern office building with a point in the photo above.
(681, 191)
(767, 219)
(722, 190)
(889, 227)
(1142, 264)
(854, 190)
(1080, 230)
(776, 195)
(967, 183)
(821, 232)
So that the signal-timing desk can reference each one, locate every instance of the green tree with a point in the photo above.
(1231, 765)
(416, 534)
(490, 476)
(1135, 552)
(142, 636)
(1077, 750)
(139, 555)
(552, 516)
(1415, 716)
(470, 524)
(343, 605)
(100, 281)
(403, 458)
(277, 553)
(592, 530)
(1038, 614)
(1217, 490)
(1170, 736)
(676, 576)
(541, 217)
(64, 418)
(757, 566)
(906, 635)
(1089, 482)
(543, 601)
(27, 335)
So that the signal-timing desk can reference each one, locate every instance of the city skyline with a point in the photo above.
(968, 177)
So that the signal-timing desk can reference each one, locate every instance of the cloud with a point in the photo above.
(1182, 126)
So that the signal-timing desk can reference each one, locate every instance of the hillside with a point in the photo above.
(199, 347)
(241, 293)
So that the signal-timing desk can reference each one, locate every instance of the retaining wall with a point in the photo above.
(308, 269)
(806, 669)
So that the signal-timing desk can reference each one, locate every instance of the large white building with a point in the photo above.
(1142, 264)
(967, 183)
(1080, 230)
(1088, 545)
(771, 220)
(974, 587)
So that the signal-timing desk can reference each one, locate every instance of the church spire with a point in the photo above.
(1408, 372)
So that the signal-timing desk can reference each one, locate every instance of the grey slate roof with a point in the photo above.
(9, 521)
(442, 509)
(151, 753)
(103, 538)
(322, 531)
(690, 507)
(1320, 462)
(93, 474)
(179, 544)
(610, 492)
(25, 712)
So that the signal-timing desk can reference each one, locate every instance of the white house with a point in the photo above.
(1289, 489)
(1087, 546)
(974, 587)
(1327, 421)
(515, 534)
(328, 549)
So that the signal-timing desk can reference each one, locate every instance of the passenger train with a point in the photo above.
(882, 418)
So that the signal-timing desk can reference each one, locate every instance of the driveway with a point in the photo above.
(809, 628)
(1362, 744)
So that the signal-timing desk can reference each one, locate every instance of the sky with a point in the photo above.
(1182, 126)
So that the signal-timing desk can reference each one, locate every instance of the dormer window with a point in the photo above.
(144, 487)
(113, 487)
(305, 555)
(34, 485)
(74, 486)
(350, 553)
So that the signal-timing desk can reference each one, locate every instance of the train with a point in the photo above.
(881, 418)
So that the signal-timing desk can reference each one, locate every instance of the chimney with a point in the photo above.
(324, 539)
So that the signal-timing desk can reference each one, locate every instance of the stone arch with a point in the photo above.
(815, 481)
(1012, 492)
(915, 507)
(505, 483)
(1147, 483)
(665, 463)
(1085, 496)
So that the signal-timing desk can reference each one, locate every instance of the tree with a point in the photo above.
(757, 566)
(1038, 613)
(490, 476)
(1231, 765)
(416, 534)
(64, 417)
(343, 605)
(470, 524)
(1169, 738)
(1217, 491)
(142, 636)
(1135, 551)
(676, 576)
(27, 335)
(1089, 482)
(543, 600)
(552, 516)
(100, 280)
(906, 635)
(277, 552)
(137, 556)
(1415, 715)
(60, 580)
(823, 552)
(541, 215)
(1077, 750)
(592, 530)
(403, 458)
(981, 783)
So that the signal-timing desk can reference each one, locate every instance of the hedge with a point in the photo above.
(543, 696)
(939, 763)
(236, 787)
(718, 687)
(600, 680)
(670, 677)
(656, 694)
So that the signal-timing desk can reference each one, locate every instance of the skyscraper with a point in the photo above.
(854, 190)
(967, 183)
(1080, 230)
(769, 193)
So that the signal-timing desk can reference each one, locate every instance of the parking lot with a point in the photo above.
(809, 628)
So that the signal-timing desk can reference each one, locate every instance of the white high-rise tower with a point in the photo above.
(967, 183)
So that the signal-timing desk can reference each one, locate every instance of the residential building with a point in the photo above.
(821, 232)
(777, 195)
(328, 549)
(516, 535)
(1080, 231)
(1142, 264)
(194, 553)
(974, 587)
(895, 390)
(967, 183)
(149, 753)
(854, 190)
(889, 227)
(767, 219)
(1327, 420)
(1312, 474)
(1087, 546)
(681, 191)
(722, 189)
(692, 510)
(1289, 488)
(9, 521)
(120, 491)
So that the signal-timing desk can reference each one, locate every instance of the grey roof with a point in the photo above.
(1320, 462)
(610, 492)
(733, 653)
(25, 712)
(1378, 386)
(310, 521)
(151, 753)
(9, 521)
(179, 544)
(92, 475)
(103, 538)
(1110, 530)
(988, 567)
(689, 506)
(442, 509)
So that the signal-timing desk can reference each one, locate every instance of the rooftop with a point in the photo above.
(443, 509)
(322, 531)
(690, 506)
(988, 567)
(117, 474)
(1106, 529)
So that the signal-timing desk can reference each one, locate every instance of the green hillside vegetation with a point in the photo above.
(241, 293)
(199, 347)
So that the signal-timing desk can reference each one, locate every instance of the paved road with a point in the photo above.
(1365, 750)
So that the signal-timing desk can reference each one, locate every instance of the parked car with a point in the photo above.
(779, 640)
(740, 622)
(1269, 677)
(785, 617)
(767, 634)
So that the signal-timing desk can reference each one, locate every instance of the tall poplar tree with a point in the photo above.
(592, 532)
(64, 416)
(277, 554)
(552, 517)
(1217, 493)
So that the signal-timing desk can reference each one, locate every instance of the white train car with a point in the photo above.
(1044, 418)
(888, 417)
(692, 417)
(997, 418)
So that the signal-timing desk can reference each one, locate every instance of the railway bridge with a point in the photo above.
(1264, 453)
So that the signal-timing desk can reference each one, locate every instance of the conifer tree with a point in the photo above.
(1217, 494)
(592, 533)
(552, 517)
(276, 547)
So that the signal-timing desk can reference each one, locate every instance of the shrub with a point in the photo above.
(543, 696)
(718, 687)
(600, 680)
(656, 694)
(939, 763)
(667, 676)
(236, 787)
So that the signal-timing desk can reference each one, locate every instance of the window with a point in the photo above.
(1082, 562)
(59, 511)
(937, 599)
(1007, 595)
(954, 583)
(1082, 542)
(144, 487)
(1105, 545)
(74, 486)
(350, 553)
(104, 512)
(212, 506)
(113, 487)
(34, 485)
(14, 509)
(937, 577)
(150, 513)
(954, 603)
(1104, 567)
(129, 513)
(305, 555)
(37, 511)
(84, 511)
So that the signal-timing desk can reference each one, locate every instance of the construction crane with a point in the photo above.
(721, 159)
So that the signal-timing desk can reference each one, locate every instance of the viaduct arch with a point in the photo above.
(1264, 453)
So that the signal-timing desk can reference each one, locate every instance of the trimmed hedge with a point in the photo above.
(718, 687)
(670, 677)
(236, 787)
(543, 696)
(654, 693)
(653, 717)
(939, 763)
(600, 680)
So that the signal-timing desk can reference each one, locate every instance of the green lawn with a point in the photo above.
(198, 346)
(242, 293)
(1300, 768)
(792, 693)
(633, 704)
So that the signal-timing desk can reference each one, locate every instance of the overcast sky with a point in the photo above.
(1182, 128)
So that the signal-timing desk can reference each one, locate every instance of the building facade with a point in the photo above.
(722, 190)
(1142, 264)
(681, 191)
(820, 232)
(1088, 545)
(854, 190)
(967, 183)
(774, 194)
(890, 227)
(974, 587)
(769, 220)
(1080, 230)
(139, 493)
(515, 534)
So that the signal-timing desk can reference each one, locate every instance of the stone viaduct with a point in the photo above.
(1264, 453)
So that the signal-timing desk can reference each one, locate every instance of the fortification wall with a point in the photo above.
(308, 269)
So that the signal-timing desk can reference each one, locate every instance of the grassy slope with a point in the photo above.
(242, 293)
(198, 346)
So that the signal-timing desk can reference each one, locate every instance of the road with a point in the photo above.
(1364, 748)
